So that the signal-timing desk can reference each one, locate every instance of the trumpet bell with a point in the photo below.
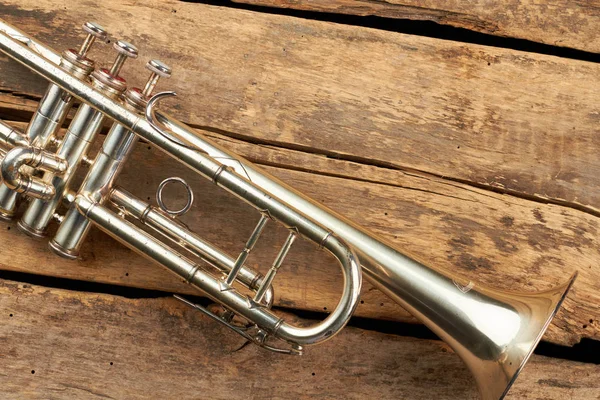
(508, 332)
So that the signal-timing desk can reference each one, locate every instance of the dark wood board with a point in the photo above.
(60, 344)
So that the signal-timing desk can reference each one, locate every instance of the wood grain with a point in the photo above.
(503, 241)
(61, 344)
(511, 121)
(303, 109)
(564, 23)
(372, 139)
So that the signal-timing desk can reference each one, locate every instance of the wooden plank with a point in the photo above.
(63, 344)
(503, 241)
(500, 119)
(562, 23)
(424, 209)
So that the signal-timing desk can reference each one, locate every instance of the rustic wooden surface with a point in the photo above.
(477, 160)
(496, 118)
(394, 138)
(61, 344)
(558, 22)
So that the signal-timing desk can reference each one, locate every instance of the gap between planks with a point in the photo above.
(562, 27)
(587, 351)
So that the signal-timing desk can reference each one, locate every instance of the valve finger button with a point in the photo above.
(159, 68)
(126, 50)
(95, 30)
(76, 61)
(138, 98)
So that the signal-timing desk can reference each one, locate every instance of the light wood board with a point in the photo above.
(563, 23)
(375, 138)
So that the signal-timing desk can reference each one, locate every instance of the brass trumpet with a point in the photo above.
(493, 331)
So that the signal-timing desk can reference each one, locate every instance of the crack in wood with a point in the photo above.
(462, 20)
(19, 285)
(512, 25)
(365, 162)
(83, 389)
(412, 171)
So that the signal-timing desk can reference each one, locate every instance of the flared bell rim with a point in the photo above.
(567, 288)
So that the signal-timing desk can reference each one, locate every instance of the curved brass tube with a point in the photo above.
(24, 182)
(149, 247)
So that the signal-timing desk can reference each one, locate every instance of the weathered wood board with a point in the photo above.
(61, 344)
(504, 241)
(406, 135)
(558, 22)
(397, 125)
(497, 118)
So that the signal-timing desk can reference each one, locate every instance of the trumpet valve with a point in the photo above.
(94, 32)
(158, 70)
(125, 50)
(138, 98)
(76, 61)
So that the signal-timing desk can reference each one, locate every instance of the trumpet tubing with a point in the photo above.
(91, 204)
(493, 331)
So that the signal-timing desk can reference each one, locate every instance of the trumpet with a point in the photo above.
(493, 331)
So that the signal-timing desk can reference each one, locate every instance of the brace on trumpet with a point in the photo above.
(493, 331)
